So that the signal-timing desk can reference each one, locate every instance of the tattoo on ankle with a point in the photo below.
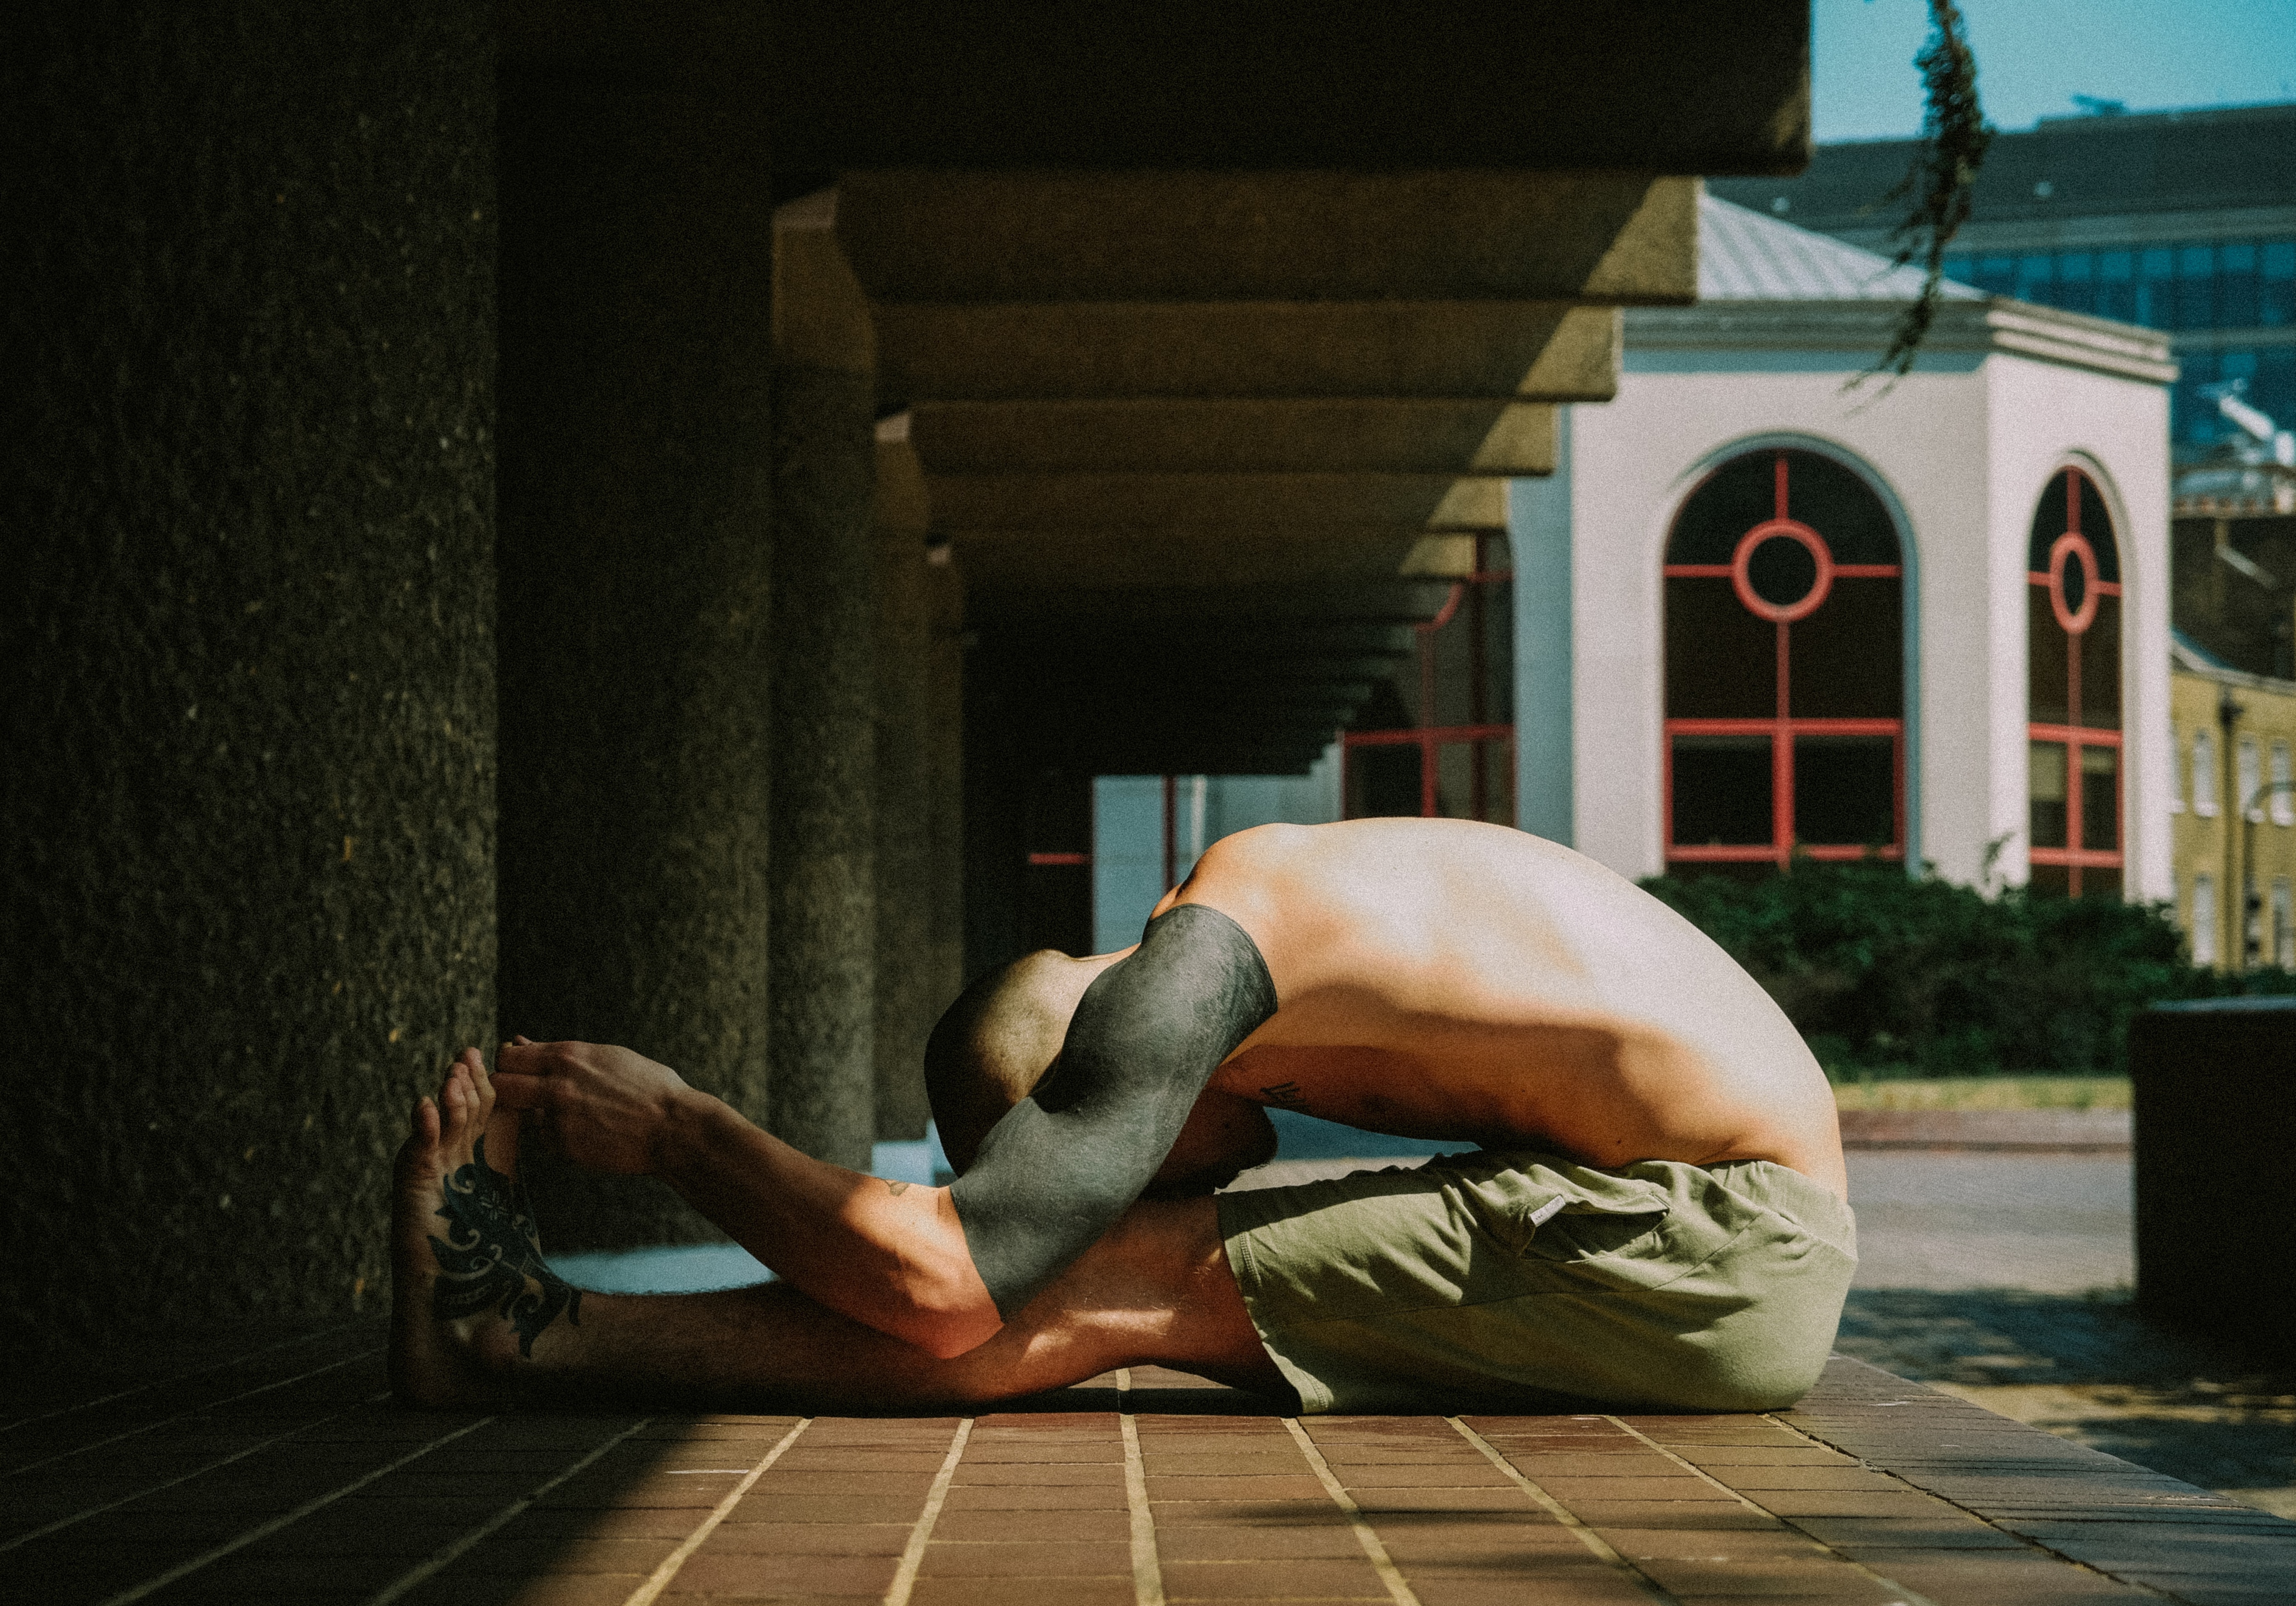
(492, 1256)
(1286, 1093)
(898, 1188)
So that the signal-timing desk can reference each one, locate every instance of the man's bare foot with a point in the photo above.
(470, 1293)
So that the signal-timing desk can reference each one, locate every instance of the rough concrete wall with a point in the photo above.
(636, 563)
(825, 764)
(250, 611)
(906, 984)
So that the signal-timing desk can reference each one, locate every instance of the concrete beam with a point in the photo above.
(1283, 641)
(1240, 501)
(1613, 237)
(1551, 351)
(1020, 560)
(1374, 435)
(1391, 602)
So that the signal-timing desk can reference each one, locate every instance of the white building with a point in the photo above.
(1760, 610)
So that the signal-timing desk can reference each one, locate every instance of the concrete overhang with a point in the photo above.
(1667, 86)
(1217, 328)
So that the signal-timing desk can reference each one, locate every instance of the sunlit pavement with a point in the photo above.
(2005, 1279)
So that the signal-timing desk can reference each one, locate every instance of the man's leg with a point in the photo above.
(1156, 1289)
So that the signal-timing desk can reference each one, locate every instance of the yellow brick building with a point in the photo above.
(2233, 806)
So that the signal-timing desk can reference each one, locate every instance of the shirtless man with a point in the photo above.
(1655, 1216)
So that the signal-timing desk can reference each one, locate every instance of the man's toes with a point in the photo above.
(502, 1138)
(421, 1148)
(483, 1086)
(457, 1100)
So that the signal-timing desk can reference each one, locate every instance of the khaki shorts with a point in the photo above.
(1514, 1279)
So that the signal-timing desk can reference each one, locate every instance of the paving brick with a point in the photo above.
(1682, 1486)
(1500, 1498)
(1481, 1474)
(1068, 1524)
(802, 1457)
(820, 1508)
(1045, 1452)
(1192, 1513)
(1946, 1529)
(1449, 1546)
(1591, 1584)
(1772, 1577)
(1717, 1514)
(1025, 1559)
(753, 1573)
(1303, 1485)
(1333, 1578)
(1208, 1543)
(1016, 1423)
(1836, 1477)
(2027, 1579)
(1034, 1498)
(809, 1538)
(1079, 1474)
(880, 1485)
(1169, 1465)
(1823, 1502)
(1023, 1591)
(1614, 1464)
(1736, 1544)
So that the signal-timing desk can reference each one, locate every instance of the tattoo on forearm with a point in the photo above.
(898, 1188)
(492, 1256)
(1286, 1093)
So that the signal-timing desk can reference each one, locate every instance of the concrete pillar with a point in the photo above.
(906, 1004)
(944, 700)
(636, 557)
(823, 879)
(248, 496)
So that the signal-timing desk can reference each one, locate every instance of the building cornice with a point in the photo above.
(1995, 324)
(2184, 660)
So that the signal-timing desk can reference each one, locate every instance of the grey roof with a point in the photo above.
(1743, 256)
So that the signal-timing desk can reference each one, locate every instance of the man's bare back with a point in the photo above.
(1449, 979)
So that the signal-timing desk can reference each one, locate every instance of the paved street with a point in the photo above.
(2045, 1223)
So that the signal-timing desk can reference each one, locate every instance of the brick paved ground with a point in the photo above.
(253, 1470)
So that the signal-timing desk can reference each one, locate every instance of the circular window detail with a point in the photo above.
(1782, 570)
(2072, 583)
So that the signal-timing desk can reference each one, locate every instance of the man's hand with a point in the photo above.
(604, 1107)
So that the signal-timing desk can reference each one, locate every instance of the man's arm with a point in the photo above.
(1061, 1166)
(886, 1254)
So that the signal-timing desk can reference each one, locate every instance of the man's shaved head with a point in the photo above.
(994, 1044)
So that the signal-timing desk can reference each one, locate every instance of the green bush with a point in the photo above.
(1886, 974)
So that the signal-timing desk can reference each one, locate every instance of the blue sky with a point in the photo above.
(2034, 55)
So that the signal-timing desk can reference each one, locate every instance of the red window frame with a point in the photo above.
(1783, 726)
(1428, 739)
(2075, 855)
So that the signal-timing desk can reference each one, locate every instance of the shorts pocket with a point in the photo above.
(1541, 1208)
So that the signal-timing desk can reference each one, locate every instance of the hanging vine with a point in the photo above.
(1942, 181)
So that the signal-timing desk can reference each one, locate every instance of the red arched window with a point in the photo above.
(1784, 667)
(2073, 625)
